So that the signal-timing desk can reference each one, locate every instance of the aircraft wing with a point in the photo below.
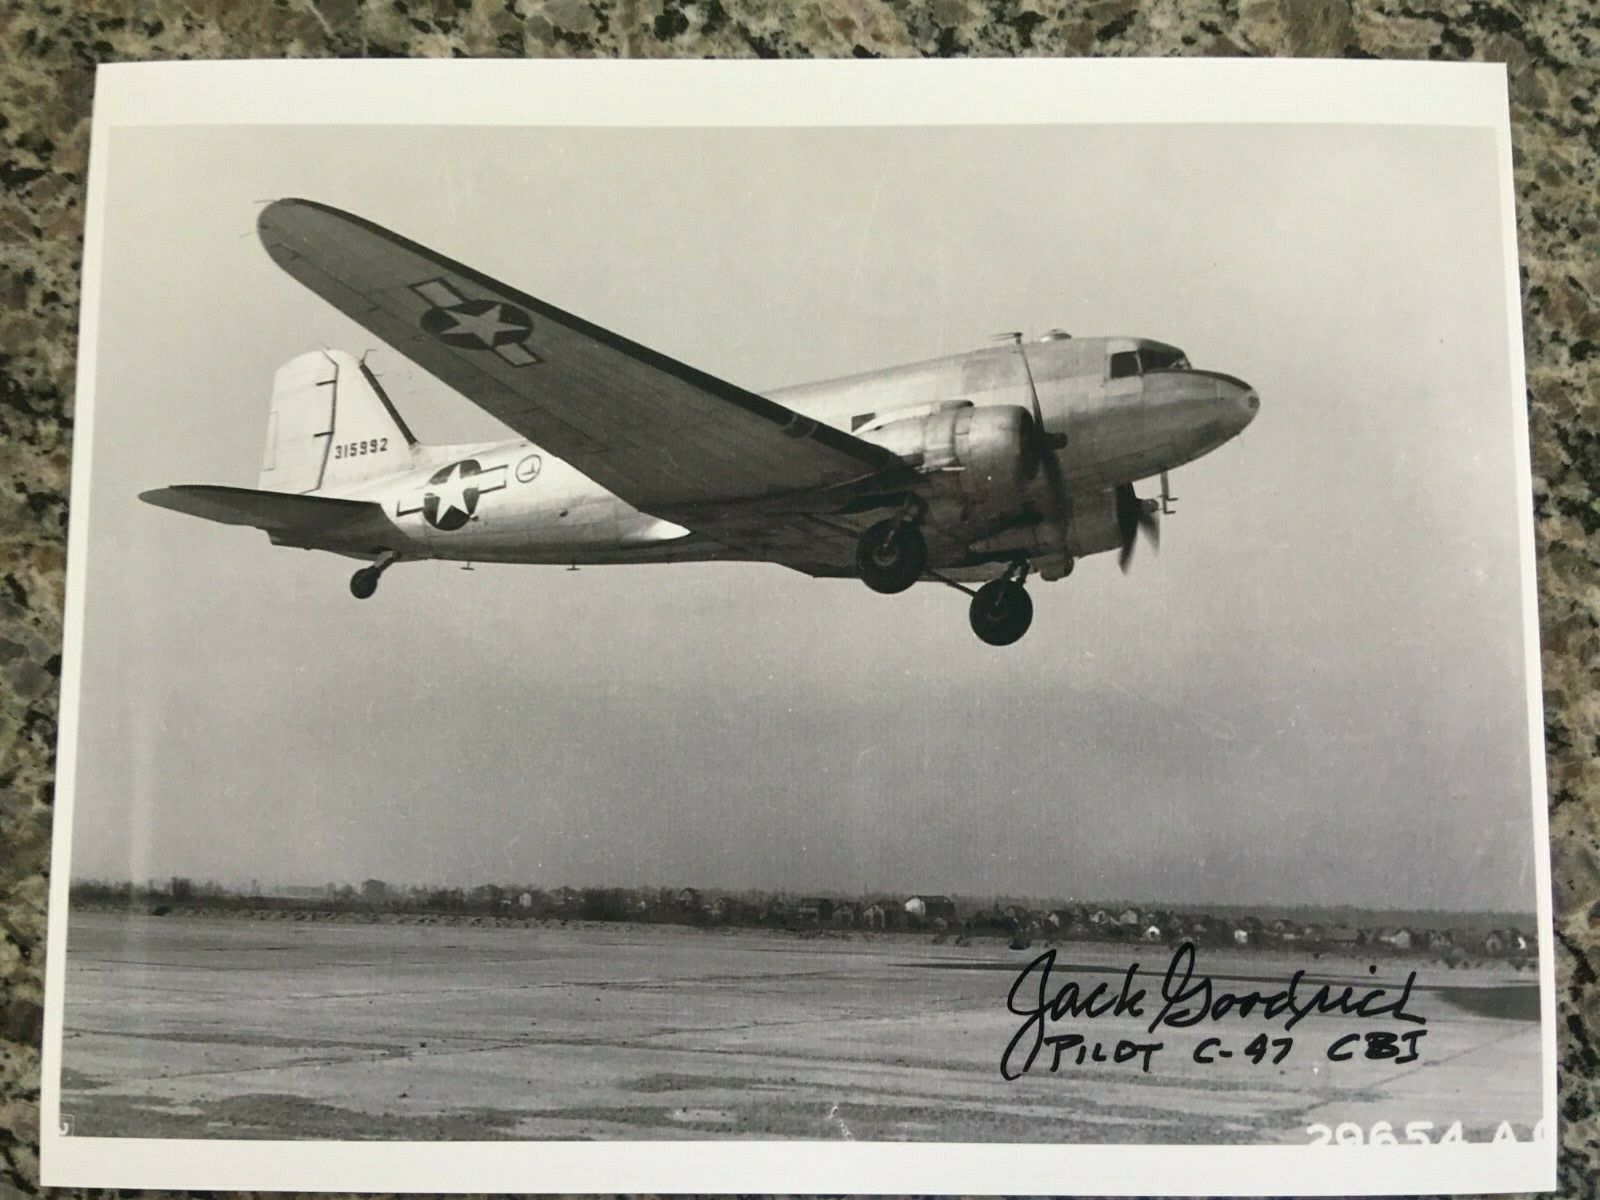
(318, 522)
(669, 439)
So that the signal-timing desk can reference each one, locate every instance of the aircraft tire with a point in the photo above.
(891, 556)
(364, 582)
(1001, 612)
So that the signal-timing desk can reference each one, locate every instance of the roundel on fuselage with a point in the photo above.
(452, 495)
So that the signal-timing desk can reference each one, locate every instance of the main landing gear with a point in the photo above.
(365, 581)
(1001, 609)
(892, 555)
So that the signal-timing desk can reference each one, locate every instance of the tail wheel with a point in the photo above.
(364, 582)
(892, 556)
(1001, 612)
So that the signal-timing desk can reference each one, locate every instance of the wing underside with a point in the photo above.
(669, 439)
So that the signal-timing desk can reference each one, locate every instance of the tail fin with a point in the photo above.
(332, 426)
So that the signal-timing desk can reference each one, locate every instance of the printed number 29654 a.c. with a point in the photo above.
(1417, 1133)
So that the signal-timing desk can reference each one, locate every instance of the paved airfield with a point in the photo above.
(200, 1027)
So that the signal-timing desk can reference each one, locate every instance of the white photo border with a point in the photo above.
(763, 94)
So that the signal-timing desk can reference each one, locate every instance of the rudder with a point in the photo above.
(332, 427)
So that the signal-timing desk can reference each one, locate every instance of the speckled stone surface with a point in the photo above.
(47, 56)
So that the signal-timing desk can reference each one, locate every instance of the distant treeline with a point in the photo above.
(1452, 937)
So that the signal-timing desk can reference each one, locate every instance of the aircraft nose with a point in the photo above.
(1207, 402)
(1237, 403)
(1246, 405)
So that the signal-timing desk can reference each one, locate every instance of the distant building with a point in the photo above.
(1021, 917)
(929, 908)
(301, 891)
(1152, 933)
(525, 900)
(1241, 937)
(816, 908)
(776, 911)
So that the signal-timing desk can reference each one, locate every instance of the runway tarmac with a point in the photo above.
(232, 1028)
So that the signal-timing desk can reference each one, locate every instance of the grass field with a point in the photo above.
(207, 1027)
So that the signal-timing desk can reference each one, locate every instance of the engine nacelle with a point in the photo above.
(1089, 526)
(991, 447)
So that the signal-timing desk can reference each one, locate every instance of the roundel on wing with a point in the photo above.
(452, 495)
(478, 324)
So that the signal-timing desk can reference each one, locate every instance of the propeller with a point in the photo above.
(1133, 515)
(1043, 444)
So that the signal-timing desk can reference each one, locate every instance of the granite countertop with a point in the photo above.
(47, 57)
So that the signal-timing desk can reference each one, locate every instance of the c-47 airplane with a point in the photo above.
(977, 468)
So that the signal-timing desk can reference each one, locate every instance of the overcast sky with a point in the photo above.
(1313, 694)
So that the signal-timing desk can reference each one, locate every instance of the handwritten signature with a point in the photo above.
(1187, 999)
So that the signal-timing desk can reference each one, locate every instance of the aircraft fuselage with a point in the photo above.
(512, 501)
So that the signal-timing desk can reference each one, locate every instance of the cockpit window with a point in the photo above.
(1162, 358)
(1124, 363)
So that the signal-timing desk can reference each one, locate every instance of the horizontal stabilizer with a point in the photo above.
(314, 521)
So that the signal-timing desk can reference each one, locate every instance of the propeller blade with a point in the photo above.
(1052, 474)
(1044, 444)
(1151, 526)
(1132, 517)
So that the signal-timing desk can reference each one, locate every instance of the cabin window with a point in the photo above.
(1124, 364)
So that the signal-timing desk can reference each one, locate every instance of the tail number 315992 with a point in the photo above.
(375, 445)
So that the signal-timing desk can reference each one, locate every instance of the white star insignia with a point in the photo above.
(451, 493)
(484, 326)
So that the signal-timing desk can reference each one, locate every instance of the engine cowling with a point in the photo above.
(1088, 526)
(992, 447)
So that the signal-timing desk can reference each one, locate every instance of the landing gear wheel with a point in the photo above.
(1001, 612)
(892, 556)
(364, 582)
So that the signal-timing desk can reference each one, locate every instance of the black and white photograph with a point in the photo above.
(871, 637)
